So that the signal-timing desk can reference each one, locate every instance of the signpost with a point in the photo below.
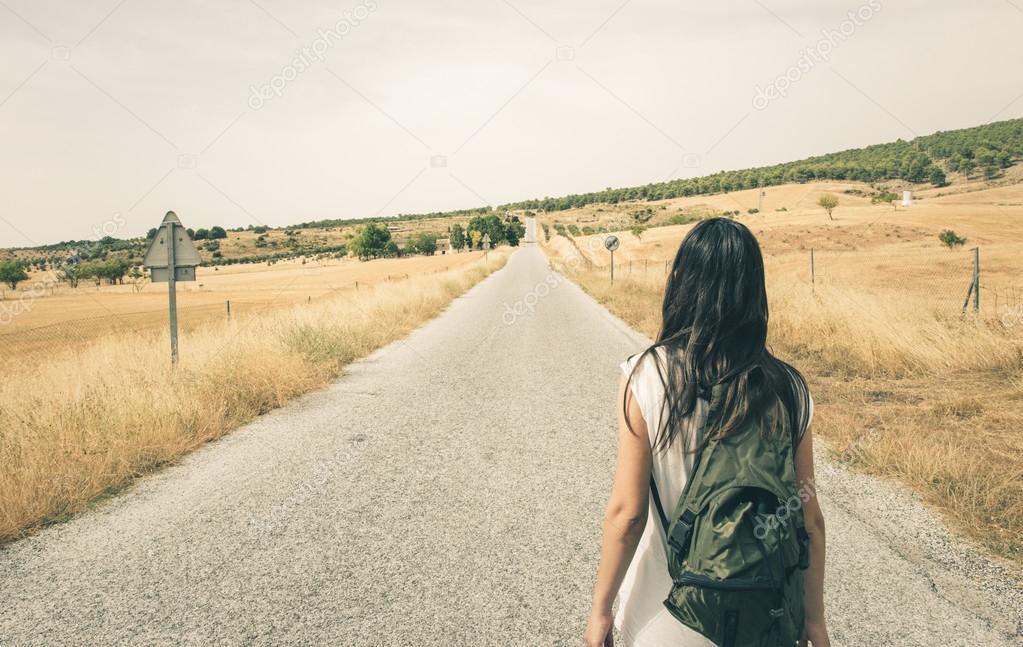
(486, 247)
(612, 243)
(172, 257)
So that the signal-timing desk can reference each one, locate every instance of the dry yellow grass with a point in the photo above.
(905, 385)
(78, 427)
(37, 323)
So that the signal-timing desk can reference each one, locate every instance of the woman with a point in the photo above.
(713, 332)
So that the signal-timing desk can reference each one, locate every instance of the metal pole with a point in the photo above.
(976, 279)
(612, 267)
(228, 308)
(172, 293)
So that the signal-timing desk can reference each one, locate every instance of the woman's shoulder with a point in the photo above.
(648, 356)
(645, 363)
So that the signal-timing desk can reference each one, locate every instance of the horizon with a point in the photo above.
(456, 212)
(279, 128)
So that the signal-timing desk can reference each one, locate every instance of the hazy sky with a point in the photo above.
(113, 112)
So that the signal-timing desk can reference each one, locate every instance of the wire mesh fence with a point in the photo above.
(949, 281)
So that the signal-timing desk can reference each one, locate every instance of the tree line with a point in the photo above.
(374, 240)
(987, 149)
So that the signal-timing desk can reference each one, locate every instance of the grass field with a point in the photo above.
(906, 385)
(45, 321)
(83, 424)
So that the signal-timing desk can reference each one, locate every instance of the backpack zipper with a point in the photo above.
(706, 582)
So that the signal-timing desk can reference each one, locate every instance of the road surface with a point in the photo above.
(448, 490)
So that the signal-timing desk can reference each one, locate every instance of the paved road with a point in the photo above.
(447, 490)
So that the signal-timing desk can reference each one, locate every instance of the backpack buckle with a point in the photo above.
(776, 613)
(682, 531)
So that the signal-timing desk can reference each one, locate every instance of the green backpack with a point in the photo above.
(737, 543)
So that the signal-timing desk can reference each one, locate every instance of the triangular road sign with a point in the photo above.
(185, 253)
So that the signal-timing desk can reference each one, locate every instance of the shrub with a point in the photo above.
(951, 239)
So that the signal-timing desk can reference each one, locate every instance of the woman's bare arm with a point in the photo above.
(816, 628)
(625, 518)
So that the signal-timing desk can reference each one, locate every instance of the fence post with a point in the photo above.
(974, 290)
(229, 309)
(976, 279)
(813, 272)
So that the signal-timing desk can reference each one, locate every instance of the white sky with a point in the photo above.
(113, 112)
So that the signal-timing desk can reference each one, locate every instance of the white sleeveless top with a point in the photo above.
(641, 617)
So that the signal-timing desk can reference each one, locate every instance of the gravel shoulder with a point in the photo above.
(447, 490)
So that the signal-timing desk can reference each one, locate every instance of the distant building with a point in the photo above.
(907, 198)
(443, 245)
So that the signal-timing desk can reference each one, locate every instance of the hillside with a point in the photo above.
(983, 151)
(952, 159)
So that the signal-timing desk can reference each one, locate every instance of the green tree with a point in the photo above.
(457, 235)
(201, 234)
(490, 224)
(217, 232)
(138, 278)
(112, 270)
(514, 231)
(951, 239)
(372, 242)
(12, 273)
(422, 243)
(828, 202)
(70, 274)
(475, 235)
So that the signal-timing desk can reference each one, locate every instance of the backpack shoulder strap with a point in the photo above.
(693, 477)
(657, 503)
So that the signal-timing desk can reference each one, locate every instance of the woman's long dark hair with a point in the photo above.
(714, 332)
